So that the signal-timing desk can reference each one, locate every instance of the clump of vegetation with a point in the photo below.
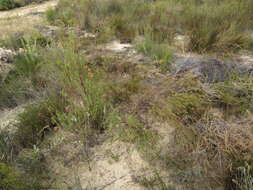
(161, 53)
(154, 182)
(6, 147)
(210, 25)
(122, 91)
(217, 26)
(235, 95)
(25, 80)
(243, 178)
(37, 121)
(10, 179)
(128, 128)
(10, 4)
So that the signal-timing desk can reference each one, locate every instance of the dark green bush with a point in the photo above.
(8, 4)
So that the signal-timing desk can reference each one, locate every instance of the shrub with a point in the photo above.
(243, 178)
(235, 96)
(6, 147)
(10, 4)
(7, 4)
(51, 15)
(128, 128)
(12, 180)
(121, 92)
(36, 121)
(161, 53)
(23, 81)
(210, 25)
(216, 26)
(32, 161)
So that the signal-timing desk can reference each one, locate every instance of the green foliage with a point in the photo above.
(131, 130)
(10, 4)
(188, 107)
(216, 25)
(243, 179)
(6, 147)
(85, 83)
(31, 160)
(121, 91)
(51, 15)
(25, 41)
(12, 180)
(31, 124)
(23, 81)
(235, 95)
(27, 65)
(7, 4)
(9, 179)
(36, 121)
(161, 53)
(210, 25)
(120, 18)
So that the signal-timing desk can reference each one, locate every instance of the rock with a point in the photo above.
(48, 31)
(6, 55)
(210, 70)
(116, 46)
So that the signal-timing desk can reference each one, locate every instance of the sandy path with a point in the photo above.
(27, 10)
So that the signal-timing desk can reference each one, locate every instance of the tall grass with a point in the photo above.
(219, 26)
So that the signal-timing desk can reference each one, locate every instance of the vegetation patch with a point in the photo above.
(10, 4)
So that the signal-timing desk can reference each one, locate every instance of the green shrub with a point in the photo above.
(10, 4)
(7, 4)
(121, 92)
(36, 121)
(243, 178)
(235, 96)
(13, 180)
(24, 81)
(161, 53)
(31, 124)
(6, 147)
(128, 128)
(10, 179)
(217, 26)
(51, 15)
(31, 161)
(188, 107)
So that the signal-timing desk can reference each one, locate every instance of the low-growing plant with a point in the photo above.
(32, 161)
(10, 179)
(133, 131)
(6, 146)
(154, 182)
(216, 26)
(122, 91)
(235, 95)
(161, 53)
(243, 179)
(37, 121)
(8, 4)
